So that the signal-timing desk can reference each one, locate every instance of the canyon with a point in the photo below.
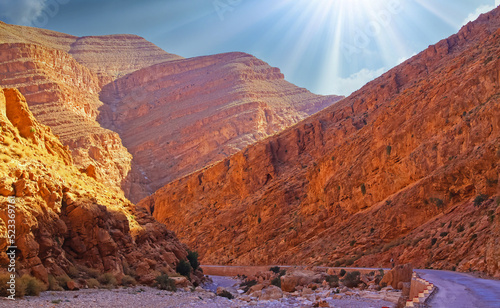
(404, 169)
(174, 115)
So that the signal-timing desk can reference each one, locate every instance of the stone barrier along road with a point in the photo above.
(459, 290)
(222, 270)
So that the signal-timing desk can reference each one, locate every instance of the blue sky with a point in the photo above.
(326, 46)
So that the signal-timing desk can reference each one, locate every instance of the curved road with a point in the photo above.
(459, 290)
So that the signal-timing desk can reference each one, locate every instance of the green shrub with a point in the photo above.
(163, 282)
(248, 284)
(128, 281)
(461, 228)
(433, 241)
(90, 272)
(352, 279)
(73, 272)
(63, 281)
(4, 288)
(276, 282)
(473, 236)
(193, 259)
(282, 272)
(275, 269)
(184, 268)
(107, 279)
(438, 202)
(32, 286)
(342, 272)
(333, 281)
(92, 283)
(352, 243)
(363, 189)
(480, 199)
(226, 294)
(56, 301)
(53, 284)
(443, 234)
(388, 150)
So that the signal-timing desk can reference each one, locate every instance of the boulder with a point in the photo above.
(298, 278)
(181, 282)
(271, 293)
(400, 273)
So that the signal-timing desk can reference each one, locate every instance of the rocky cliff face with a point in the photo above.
(405, 168)
(180, 116)
(174, 115)
(64, 217)
(64, 95)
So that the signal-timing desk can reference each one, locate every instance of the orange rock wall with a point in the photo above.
(389, 173)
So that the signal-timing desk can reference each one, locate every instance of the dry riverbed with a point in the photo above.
(141, 296)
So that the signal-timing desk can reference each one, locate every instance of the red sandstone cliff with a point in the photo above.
(397, 170)
(65, 218)
(180, 116)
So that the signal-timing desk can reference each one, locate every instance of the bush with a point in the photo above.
(433, 241)
(352, 279)
(388, 150)
(480, 199)
(193, 259)
(128, 281)
(184, 268)
(53, 284)
(342, 272)
(90, 272)
(92, 283)
(107, 279)
(63, 281)
(4, 292)
(32, 286)
(248, 284)
(163, 282)
(275, 269)
(461, 228)
(276, 282)
(443, 234)
(73, 272)
(226, 294)
(282, 272)
(333, 281)
(363, 189)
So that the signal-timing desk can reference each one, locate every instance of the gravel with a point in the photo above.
(141, 296)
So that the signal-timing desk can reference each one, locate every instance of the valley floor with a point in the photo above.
(140, 296)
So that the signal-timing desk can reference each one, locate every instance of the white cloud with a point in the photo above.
(345, 86)
(480, 10)
(21, 12)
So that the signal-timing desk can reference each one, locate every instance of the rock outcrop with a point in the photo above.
(63, 217)
(180, 116)
(407, 168)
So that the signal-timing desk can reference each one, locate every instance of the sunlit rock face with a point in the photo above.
(174, 115)
(407, 168)
(180, 116)
(64, 218)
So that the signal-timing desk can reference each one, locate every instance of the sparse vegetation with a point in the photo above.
(276, 282)
(184, 268)
(352, 279)
(92, 283)
(473, 236)
(53, 284)
(480, 199)
(63, 281)
(461, 228)
(333, 281)
(388, 150)
(342, 272)
(443, 234)
(248, 284)
(193, 259)
(128, 281)
(163, 282)
(275, 269)
(226, 294)
(438, 202)
(363, 189)
(433, 241)
(107, 279)
(31, 285)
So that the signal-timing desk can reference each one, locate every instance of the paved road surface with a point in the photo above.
(459, 290)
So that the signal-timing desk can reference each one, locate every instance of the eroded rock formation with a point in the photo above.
(64, 217)
(407, 168)
(180, 116)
